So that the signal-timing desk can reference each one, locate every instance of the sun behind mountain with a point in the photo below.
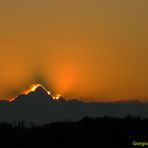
(34, 88)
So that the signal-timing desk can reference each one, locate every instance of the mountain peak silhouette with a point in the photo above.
(36, 94)
(40, 90)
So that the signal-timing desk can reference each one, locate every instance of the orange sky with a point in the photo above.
(88, 49)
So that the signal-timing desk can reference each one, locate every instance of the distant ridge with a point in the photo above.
(127, 101)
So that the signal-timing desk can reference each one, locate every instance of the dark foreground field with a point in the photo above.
(88, 132)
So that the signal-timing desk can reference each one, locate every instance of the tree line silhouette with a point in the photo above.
(88, 132)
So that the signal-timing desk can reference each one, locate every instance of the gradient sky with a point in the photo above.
(88, 49)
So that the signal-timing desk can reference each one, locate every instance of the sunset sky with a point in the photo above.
(89, 49)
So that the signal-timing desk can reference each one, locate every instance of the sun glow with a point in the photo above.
(56, 97)
(11, 100)
(31, 88)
